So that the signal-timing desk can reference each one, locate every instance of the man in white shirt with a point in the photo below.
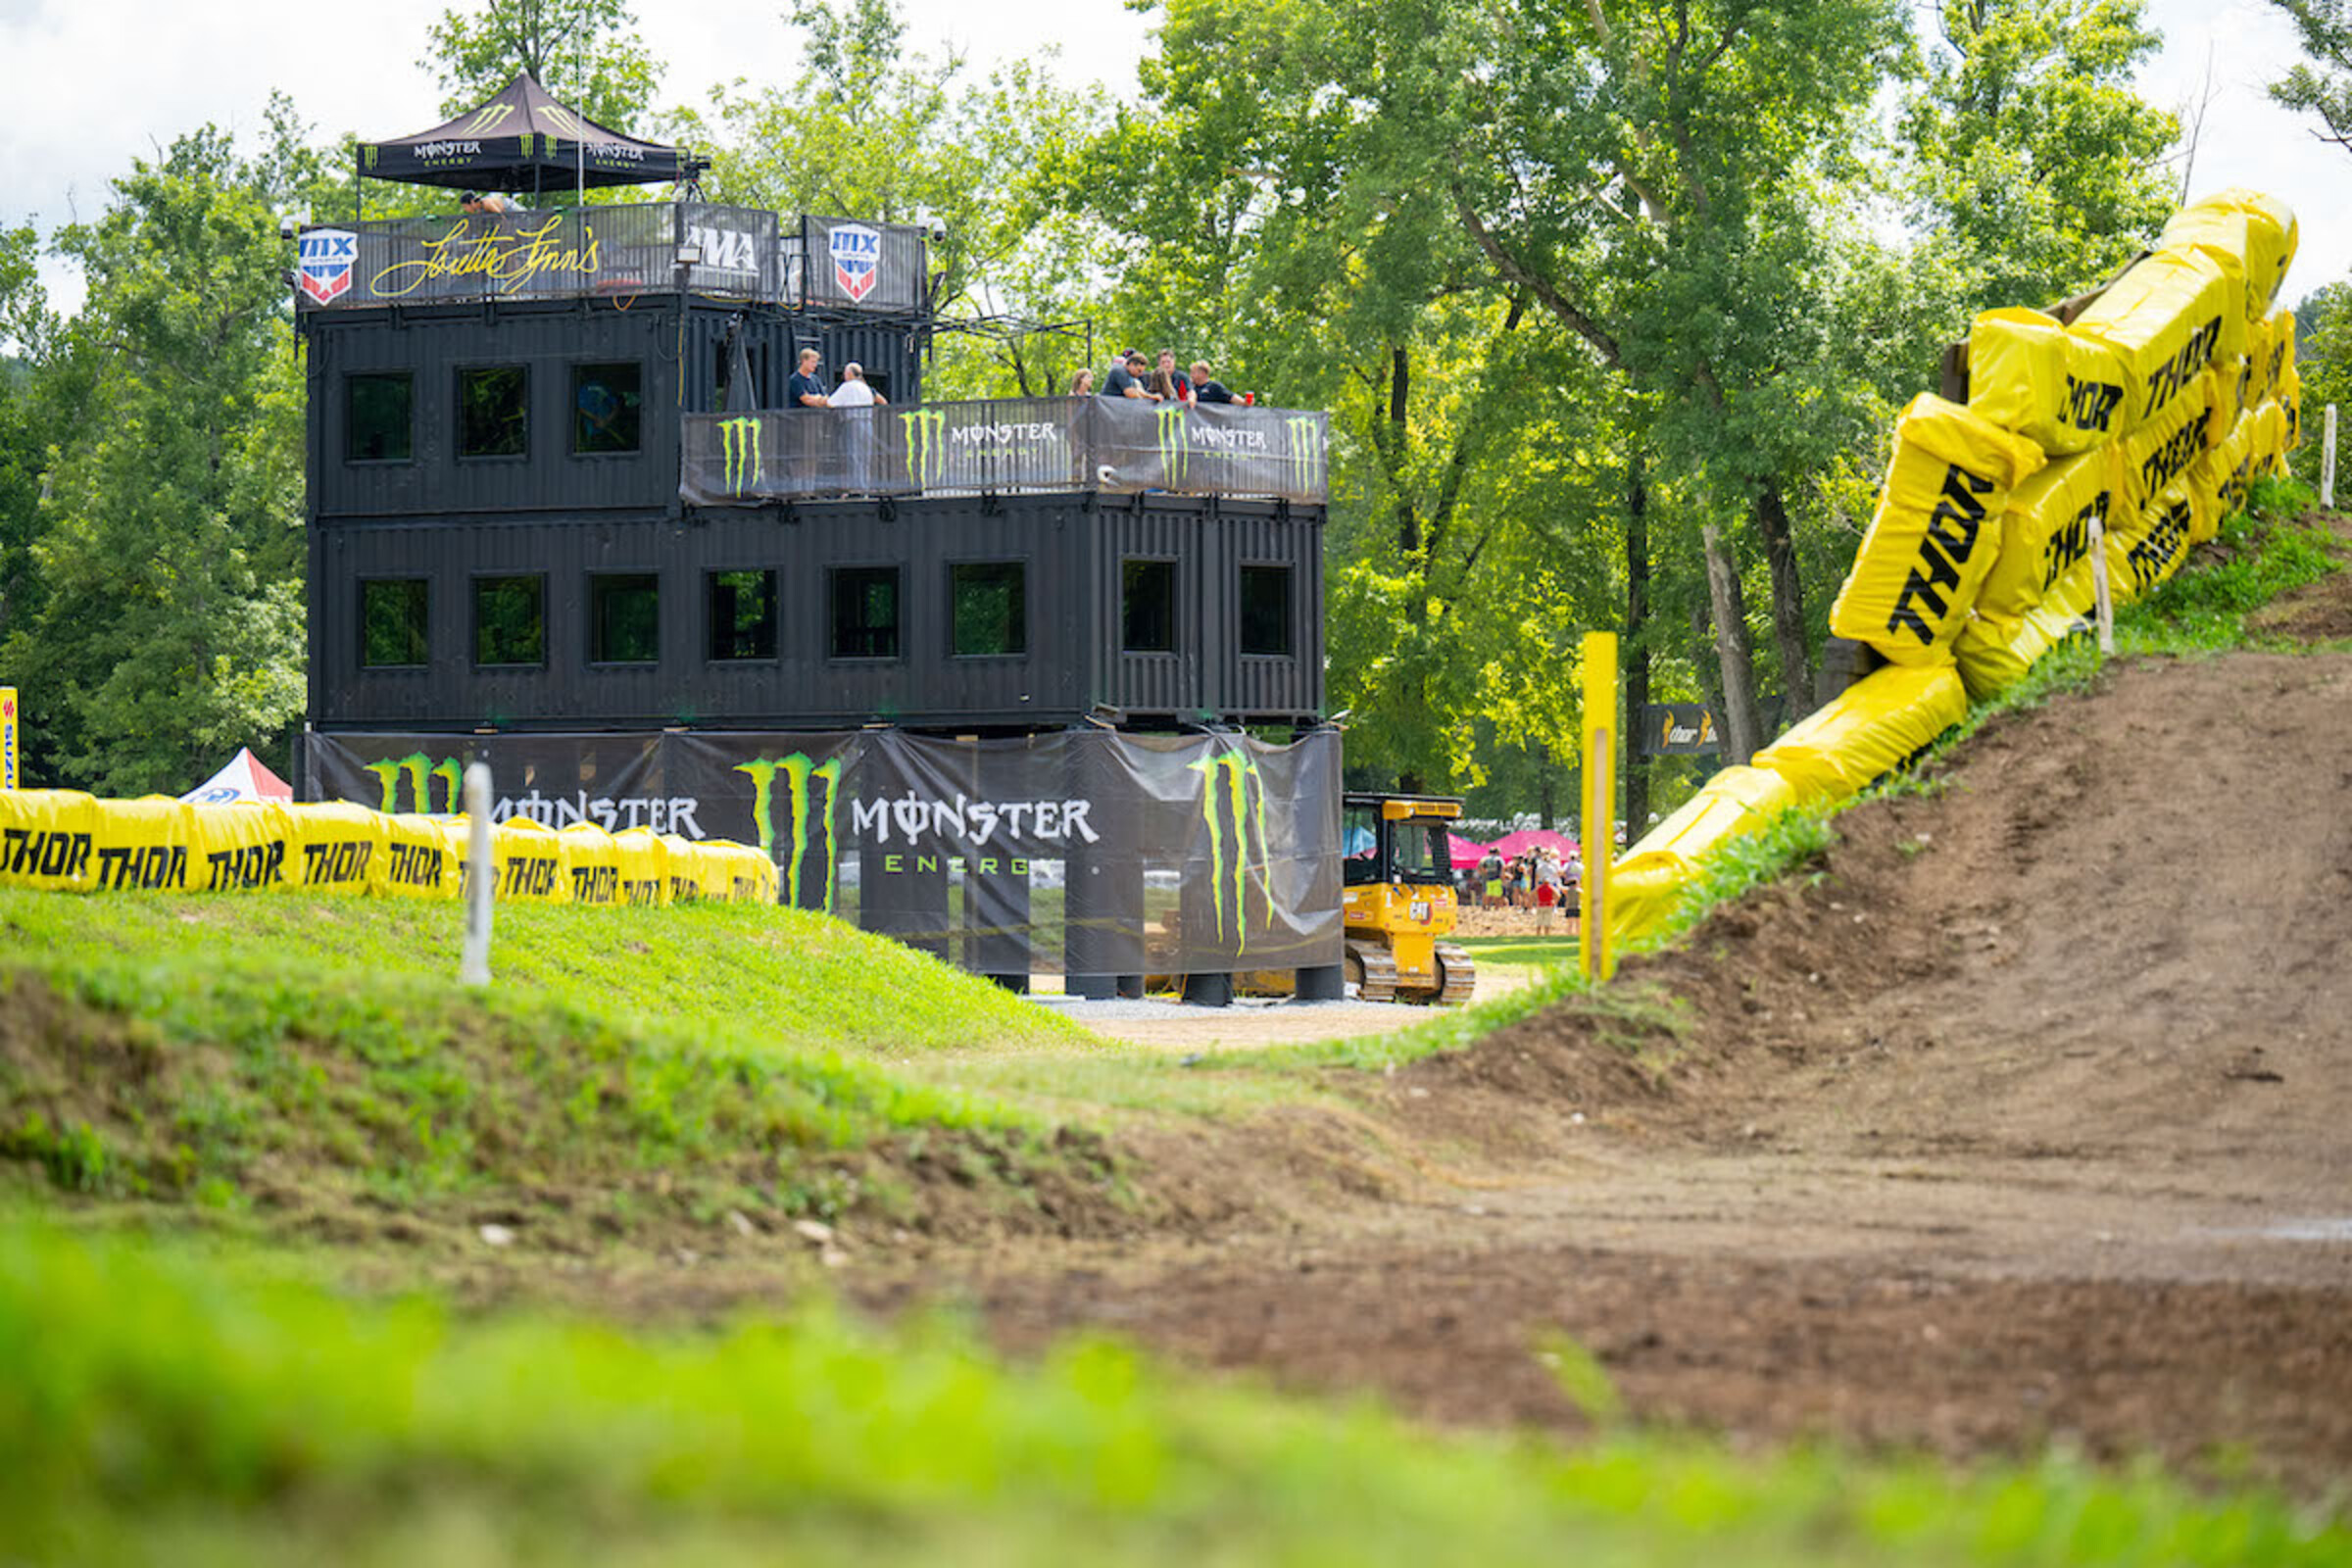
(857, 429)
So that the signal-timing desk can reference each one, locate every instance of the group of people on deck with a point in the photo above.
(1133, 376)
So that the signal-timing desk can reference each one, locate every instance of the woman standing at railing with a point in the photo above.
(1082, 386)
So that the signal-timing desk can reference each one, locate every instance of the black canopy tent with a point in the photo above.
(524, 140)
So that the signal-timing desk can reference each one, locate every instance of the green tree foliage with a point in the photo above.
(586, 52)
(170, 540)
(2322, 85)
(2038, 165)
(872, 129)
(2324, 361)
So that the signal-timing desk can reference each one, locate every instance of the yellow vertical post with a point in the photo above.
(10, 774)
(1599, 960)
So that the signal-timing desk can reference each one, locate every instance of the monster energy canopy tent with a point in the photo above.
(524, 141)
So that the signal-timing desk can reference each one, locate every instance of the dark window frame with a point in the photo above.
(588, 598)
(351, 380)
(457, 376)
(424, 635)
(474, 611)
(952, 567)
(775, 616)
(578, 369)
(1175, 607)
(833, 654)
(1290, 610)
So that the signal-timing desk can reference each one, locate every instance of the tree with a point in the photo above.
(2322, 86)
(171, 542)
(2037, 164)
(873, 131)
(586, 52)
(2324, 363)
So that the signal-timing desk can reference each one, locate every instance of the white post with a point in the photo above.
(474, 970)
(2098, 586)
(2328, 462)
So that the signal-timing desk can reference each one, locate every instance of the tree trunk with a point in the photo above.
(1637, 652)
(1544, 798)
(1740, 736)
(1787, 601)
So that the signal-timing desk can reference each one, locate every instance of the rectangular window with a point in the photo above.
(865, 612)
(1266, 611)
(624, 617)
(606, 400)
(375, 417)
(510, 621)
(494, 412)
(1148, 606)
(988, 603)
(392, 622)
(743, 615)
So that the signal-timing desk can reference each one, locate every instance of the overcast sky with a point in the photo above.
(94, 83)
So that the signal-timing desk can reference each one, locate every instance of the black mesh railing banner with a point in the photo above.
(745, 253)
(1004, 445)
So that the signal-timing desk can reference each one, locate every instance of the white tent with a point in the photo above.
(243, 779)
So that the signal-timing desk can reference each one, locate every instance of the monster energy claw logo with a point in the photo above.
(1302, 448)
(926, 445)
(798, 770)
(1227, 800)
(420, 769)
(739, 443)
(488, 119)
(1172, 447)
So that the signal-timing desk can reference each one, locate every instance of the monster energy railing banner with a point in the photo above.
(1006, 444)
(1086, 851)
(617, 251)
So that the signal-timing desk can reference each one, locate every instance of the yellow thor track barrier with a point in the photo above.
(2147, 417)
(68, 842)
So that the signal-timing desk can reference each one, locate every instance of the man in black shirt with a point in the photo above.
(804, 390)
(1126, 379)
(1205, 390)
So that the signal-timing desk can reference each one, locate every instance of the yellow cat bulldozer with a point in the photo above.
(1398, 902)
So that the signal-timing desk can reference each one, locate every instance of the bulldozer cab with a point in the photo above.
(1397, 838)
(1396, 863)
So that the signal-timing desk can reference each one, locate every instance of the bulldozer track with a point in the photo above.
(1459, 974)
(1373, 970)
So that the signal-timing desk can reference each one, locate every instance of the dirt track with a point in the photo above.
(2029, 1118)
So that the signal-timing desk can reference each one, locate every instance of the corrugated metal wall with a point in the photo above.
(1072, 554)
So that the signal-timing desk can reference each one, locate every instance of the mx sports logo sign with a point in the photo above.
(857, 252)
(327, 258)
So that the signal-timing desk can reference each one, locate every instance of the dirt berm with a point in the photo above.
(2023, 1115)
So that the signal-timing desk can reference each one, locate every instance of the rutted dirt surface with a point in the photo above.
(2028, 1118)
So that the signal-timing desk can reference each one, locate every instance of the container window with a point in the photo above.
(376, 413)
(510, 621)
(743, 615)
(1148, 606)
(624, 617)
(1266, 611)
(606, 403)
(494, 412)
(392, 622)
(866, 612)
(989, 605)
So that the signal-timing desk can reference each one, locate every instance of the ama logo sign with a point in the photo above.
(327, 257)
(856, 260)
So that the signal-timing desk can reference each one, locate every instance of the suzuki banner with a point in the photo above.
(1084, 852)
(1120, 445)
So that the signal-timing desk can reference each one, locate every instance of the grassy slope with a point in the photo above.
(285, 1051)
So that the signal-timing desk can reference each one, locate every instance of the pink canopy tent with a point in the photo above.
(243, 779)
(1527, 840)
(1462, 853)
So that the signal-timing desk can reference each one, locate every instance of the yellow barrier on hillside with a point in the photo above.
(1735, 804)
(1867, 731)
(2158, 453)
(341, 846)
(1933, 537)
(418, 859)
(2258, 231)
(2167, 319)
(2045, 529)
(2027, 373)
(644, 866)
